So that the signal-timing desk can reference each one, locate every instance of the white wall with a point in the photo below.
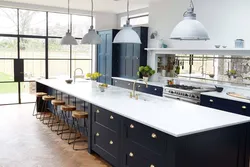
(225, 21)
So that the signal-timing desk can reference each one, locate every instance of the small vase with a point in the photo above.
(145, 79)
(93, 83)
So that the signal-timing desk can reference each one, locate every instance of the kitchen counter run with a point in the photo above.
(170, 116)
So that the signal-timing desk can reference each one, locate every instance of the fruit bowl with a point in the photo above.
(68, 81)
(102, 87)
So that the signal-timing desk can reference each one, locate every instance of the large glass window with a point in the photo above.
(9, 22)
(32, 48)
(6, 70)
(8, 47)
(80, 25)
(58, 51)
(58, 24)
(59, 68)
(32, 22)
(34, 69)
(81, 51)
(136, 20)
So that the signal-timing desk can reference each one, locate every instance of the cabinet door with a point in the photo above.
(108, 57)
(122, 60)
(129, 60)
(136, 60)
(101, 66)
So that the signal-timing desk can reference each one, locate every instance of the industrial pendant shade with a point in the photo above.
(189, 28)
(68, 39)
(91, 37)
(127, 34)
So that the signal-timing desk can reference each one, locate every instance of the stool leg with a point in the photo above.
(66, 122)
(86, 127)
(41, 112)
(33, 114)
(61, 117)
(52, 117)
(78, 127)
(45, 108)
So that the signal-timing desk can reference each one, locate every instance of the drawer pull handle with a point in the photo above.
(111, 117)
(131, 154)
(155, 89)
(132, 126)
(97, 134)
(211, 100)
(154, 136)
(111, 142)
(97, 111)
(129, 84)
(152, 165)
(139, 86)
(244, 107)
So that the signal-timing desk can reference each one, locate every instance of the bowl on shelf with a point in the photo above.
(224, 47)
(211, 75)
(69, 81)
(217, 46)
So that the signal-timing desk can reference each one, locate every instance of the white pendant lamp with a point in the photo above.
(189, 28)
(68, 39)
(91, 37)
(127, 34)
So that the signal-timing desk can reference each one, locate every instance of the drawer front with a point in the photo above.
(105, 143)
(147, 137)
(226, 105)
(155, 90)
(105, 118)
(135, 156)
(123, 84)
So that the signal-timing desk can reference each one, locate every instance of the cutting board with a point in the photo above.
(237, 95)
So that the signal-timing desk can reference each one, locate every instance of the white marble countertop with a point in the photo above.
(159, 84)
(170, 116)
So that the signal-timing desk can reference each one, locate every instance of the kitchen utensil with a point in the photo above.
(68, 81)
(218, 89)
(237, 95)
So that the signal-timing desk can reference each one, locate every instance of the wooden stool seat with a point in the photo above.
(41, 94)
(68, 108)
(57, 102)
(48, 98)
(79, 114)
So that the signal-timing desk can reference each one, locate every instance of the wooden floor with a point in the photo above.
(26, 142)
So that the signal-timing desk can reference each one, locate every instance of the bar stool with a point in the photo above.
(77, 115)
(66, 111)
(39, 96)
(44, 112)
(55, 116)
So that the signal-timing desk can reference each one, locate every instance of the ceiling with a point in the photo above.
(111, 6)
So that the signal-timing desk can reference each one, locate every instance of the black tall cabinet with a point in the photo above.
(120, 60)
(132, 56)
(107, 56)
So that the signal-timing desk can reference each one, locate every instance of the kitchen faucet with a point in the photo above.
(133, 93)
(75, 73)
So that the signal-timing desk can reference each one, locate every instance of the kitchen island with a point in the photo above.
(155, 131)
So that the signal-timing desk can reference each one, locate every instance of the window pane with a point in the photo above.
(28, 92)
(80, 25)
(8, 93)
(81, 51)
(85, 65)
(32, 22)
(59, 68)
(8, 47)
(139, 20)
(9, 18)
(58, 51)
(34, 69)
(6, 70)
(32, 48)
(58, 24)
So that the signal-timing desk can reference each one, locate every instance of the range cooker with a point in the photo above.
(184, 92)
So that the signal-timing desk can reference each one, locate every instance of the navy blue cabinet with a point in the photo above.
(107, 60)
(153, 90)
(132, 56)
(226, 105)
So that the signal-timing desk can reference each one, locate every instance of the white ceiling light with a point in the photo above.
(189, 28)
(68, 39)
(91, 37)
(127, 34)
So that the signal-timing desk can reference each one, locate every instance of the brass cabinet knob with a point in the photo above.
(211, 100)
(244, 107)
(128, 84)
(154, 136)
(131, 154)
(139, 86)
(97, 134)
(111, 142)
(111, 117)
(152, 165)
(97, 111)
(115, 81)
(155, 89)
(132, 126)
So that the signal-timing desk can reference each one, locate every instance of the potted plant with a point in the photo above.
(146, 72)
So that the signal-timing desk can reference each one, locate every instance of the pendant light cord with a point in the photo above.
(128, 19)
(68, 18)
(92, 14)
